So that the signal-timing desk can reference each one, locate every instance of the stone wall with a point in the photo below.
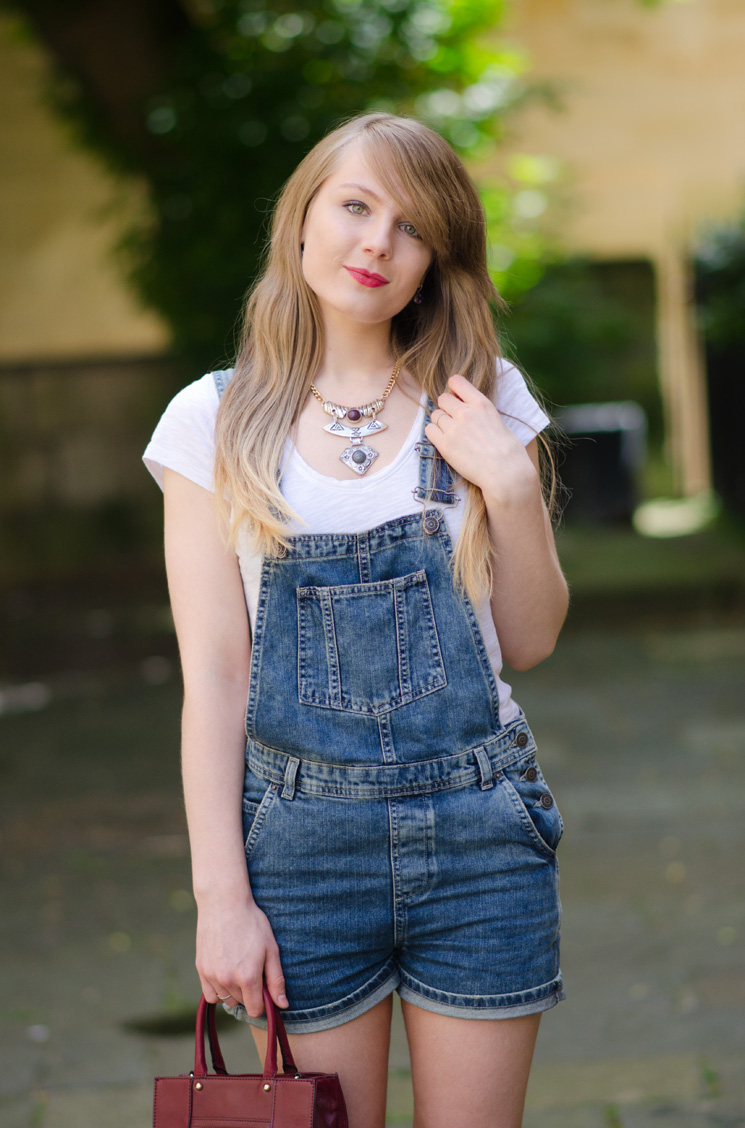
(71, 441)
(72, 434)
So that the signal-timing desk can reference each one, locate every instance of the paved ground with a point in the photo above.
(642, 735)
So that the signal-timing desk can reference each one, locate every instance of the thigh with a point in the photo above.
(358, 1052)
(469, 1071)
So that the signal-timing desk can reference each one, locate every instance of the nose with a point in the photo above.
(378, 240)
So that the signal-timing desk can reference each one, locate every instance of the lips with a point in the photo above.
(365, 278)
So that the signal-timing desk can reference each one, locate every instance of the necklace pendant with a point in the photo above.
(356, 433)
(359, 457)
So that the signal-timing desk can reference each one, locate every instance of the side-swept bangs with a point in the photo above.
(430, 185)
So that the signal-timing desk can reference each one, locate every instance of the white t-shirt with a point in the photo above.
(184, 441)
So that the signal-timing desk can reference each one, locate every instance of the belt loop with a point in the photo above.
(288, 791)
(485, 769)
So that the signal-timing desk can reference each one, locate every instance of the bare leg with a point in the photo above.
(469, 1071)
(358, 1052)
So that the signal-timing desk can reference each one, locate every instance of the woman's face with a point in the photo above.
(363, 258)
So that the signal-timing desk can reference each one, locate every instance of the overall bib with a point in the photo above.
(397, 835)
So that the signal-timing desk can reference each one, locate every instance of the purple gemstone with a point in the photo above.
(354, 414)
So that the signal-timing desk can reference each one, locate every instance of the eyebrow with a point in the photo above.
(362, 188)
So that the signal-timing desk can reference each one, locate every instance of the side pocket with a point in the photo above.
(534, 803)
(255, 816)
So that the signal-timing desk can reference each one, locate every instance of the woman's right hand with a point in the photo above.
(236, 953)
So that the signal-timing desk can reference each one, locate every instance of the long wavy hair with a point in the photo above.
(282, 343)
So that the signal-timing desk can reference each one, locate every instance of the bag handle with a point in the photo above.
(275, 1030)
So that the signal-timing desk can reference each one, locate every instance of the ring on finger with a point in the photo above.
(222, 998)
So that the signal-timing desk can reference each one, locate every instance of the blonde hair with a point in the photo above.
(282, 343)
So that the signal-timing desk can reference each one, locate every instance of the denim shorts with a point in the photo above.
(437, 879)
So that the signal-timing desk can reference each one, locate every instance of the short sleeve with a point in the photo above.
(184, 439)
(516, 405)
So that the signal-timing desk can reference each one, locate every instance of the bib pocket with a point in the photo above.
(368, 648)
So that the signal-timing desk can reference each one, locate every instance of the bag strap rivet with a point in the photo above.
(198, 1085)
(267, 1088)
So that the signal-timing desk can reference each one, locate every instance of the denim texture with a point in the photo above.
(397, 835)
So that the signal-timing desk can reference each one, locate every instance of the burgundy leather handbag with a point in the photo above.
(233, 1100)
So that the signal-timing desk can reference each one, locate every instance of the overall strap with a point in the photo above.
(436, 478)
(222, 378)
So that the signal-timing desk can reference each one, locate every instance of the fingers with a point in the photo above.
(438, 417)
(449, 407)
(275, 980)
(249, 991)
(463, 389)
(214, 993)
(448, 404)
(460, 393)
(435, 436)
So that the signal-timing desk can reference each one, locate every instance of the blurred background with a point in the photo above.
(142, 146)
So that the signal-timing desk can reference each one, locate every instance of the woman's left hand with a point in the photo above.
(471, 436)
(529, 593)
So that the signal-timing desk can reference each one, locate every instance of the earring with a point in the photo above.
(418, 296)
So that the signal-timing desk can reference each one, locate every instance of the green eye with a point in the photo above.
(355, 207)
(410, 229)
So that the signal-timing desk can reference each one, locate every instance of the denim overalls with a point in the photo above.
(397, 835)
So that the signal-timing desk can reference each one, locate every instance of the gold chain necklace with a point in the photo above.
(358, 456)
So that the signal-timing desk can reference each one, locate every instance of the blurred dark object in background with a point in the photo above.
(720, 299)
(603, 460)
(585, 334)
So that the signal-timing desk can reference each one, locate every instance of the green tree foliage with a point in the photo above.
(586, 334)
(720, 287)
(242, 89)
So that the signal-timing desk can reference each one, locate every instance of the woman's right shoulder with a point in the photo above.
(184, 439)
(197, 401)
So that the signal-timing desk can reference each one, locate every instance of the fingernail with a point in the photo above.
(283, 1001)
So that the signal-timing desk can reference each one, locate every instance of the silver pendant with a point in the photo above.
(355, 433)
(359, 457)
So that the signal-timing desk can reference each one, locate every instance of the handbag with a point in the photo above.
(247, 1100)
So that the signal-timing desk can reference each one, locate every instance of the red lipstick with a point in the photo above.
(365, 278)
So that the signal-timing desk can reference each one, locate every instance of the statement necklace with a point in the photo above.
(362, 422)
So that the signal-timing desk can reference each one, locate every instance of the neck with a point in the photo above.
(355, 360)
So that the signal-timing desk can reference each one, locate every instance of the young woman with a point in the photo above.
(376, 470)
